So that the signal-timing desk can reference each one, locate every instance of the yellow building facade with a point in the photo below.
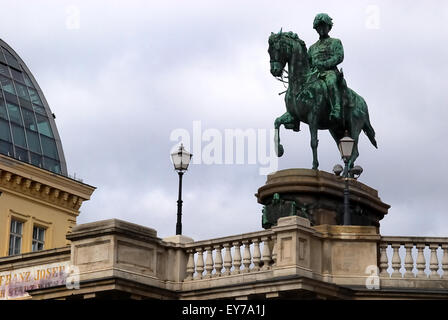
(37, 208)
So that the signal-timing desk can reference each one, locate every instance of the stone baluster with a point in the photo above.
(445, 261)
(227, 259)
(199, 264)
(421, 264)
(236, 257)
(408, 261)
(396, 260)
(266, 254)
(383, 260)
(190, 265)
(246, 257)
(209, 263)
(434, 262)
(274, 251)
(218, 261)
(257, 254)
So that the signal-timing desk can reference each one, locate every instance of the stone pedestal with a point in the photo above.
(318, 196)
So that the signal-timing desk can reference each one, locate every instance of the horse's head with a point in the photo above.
(281, 47)
(277, 53)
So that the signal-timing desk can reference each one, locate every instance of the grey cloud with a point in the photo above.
(134, 72)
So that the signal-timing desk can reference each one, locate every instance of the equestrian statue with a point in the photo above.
(317, 93)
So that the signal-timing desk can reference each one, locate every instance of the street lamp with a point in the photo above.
(181, 160)
(346, 148)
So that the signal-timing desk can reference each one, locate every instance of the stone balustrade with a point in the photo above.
(414, 258)
(246, 253)
(292, 258)
(403, 262)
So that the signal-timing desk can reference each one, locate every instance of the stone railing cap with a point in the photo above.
(352, 232)
(178, 239)
(293, 220)
(111, 226)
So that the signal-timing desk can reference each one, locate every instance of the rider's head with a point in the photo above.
(323, 24)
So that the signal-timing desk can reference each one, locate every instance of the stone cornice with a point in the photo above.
(321, 184)
(115, 227)
(30, 259)
(42, 185)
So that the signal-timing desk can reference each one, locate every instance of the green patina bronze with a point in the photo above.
(324, 57)
(317, 93)
(278, 208)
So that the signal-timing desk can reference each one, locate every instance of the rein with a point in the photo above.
(289, 47)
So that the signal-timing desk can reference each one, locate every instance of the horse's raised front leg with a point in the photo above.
(287, 120)
(278, 146)
(314, 143)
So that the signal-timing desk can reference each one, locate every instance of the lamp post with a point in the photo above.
(346, 148)
(181, 160)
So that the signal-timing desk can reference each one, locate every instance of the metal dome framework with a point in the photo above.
(27, 128)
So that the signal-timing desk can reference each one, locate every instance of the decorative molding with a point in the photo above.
(41, 222)
(21, 216)
(43, 186)
(38, 177)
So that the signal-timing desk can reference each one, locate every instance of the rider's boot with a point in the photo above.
(335, 111)
(336, 115)
(335, 101)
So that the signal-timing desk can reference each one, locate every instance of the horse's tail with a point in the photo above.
(369, 131)
(360, 111)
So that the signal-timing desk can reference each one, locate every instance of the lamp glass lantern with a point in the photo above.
(346, 146)
(181, 159)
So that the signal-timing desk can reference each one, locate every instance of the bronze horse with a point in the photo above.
(307, 98)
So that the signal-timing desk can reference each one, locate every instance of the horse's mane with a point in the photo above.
(290, 35)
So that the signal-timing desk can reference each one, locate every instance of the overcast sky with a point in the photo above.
(122, 76)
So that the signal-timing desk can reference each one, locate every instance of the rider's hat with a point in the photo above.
(322, 18)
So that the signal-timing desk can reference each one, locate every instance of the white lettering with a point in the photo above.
(197, 143)
(15, 284)
(180, 136)
(73, 21)
(249, 146)
(212, 153)
(373, 17)
(199, 310)
(373, 280)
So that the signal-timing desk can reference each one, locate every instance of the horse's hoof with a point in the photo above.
(279, 151)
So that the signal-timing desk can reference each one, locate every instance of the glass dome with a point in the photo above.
(27, 128)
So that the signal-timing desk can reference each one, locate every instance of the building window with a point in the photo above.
(15, 237)
(38, 238)
(33, 93)
(27, 80)
(14, 113)
(4, 69)
(43, 126)
(17, 75)
(19, 136)
(7, 85)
